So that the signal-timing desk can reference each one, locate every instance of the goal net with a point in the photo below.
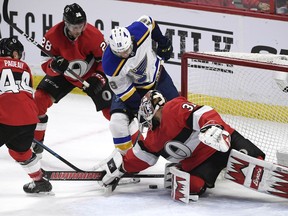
(248, 90)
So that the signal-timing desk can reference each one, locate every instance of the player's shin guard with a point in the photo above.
(32, 167)
(119, 127)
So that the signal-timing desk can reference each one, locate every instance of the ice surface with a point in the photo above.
(81, 136)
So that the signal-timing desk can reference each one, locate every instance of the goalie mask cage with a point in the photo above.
(243, 89)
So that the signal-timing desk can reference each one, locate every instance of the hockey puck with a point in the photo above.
(153, 186)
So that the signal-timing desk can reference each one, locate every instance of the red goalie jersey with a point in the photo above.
(17, 106)
(176, 138)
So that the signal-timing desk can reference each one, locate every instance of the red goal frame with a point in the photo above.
(220, 59)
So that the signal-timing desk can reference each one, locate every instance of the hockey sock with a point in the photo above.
(197, 185)
(39, 133)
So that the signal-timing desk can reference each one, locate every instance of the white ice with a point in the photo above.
(81, 136)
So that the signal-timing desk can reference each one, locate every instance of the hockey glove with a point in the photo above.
(113, 168)
(59, 64)
(97, 82)
(215, 136)
(165, 49)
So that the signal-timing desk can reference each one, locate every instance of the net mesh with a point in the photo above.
(247, 97)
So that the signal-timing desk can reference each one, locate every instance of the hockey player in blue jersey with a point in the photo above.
(133, 68)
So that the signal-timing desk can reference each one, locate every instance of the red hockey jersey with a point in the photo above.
(176, 139)
(84, 54)
(17, 106)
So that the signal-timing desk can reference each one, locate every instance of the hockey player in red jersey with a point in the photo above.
(79, 46)
(19, 113)
(192, 136)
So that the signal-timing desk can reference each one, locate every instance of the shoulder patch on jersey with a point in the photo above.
(146, 21)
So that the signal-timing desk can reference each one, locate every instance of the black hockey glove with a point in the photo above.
(165, 49)
(97, 82)
(59, 64)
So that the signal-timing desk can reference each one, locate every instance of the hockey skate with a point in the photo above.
(126, 181)
(42, 186)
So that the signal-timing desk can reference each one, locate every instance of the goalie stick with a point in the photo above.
(257, 174)
(81, 175)
(30, 39)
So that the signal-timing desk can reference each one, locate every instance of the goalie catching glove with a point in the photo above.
(113, 168)
(215, 136)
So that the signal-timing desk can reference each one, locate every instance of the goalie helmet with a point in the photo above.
(150, 104)
(120, 40)
(74, 14)
(9, 45)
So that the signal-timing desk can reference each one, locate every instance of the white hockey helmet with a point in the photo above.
(120, 40)
(150, 104)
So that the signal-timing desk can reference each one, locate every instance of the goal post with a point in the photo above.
(248, 90)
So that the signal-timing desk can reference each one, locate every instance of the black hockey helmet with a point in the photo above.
(9, 45)
(74, 14)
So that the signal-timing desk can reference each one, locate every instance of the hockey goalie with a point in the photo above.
(200, 145)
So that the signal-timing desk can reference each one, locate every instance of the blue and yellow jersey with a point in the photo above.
(137, 72)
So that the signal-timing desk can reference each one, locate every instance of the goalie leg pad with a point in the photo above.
(167, 175)
(257, 174)
(180, 190)
(180, 185)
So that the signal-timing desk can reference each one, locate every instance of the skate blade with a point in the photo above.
(41, 194)
(127, 181)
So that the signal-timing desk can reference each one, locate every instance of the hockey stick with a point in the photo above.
(57, 156)
(90, 175)
(30, 39)
(79, 174)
